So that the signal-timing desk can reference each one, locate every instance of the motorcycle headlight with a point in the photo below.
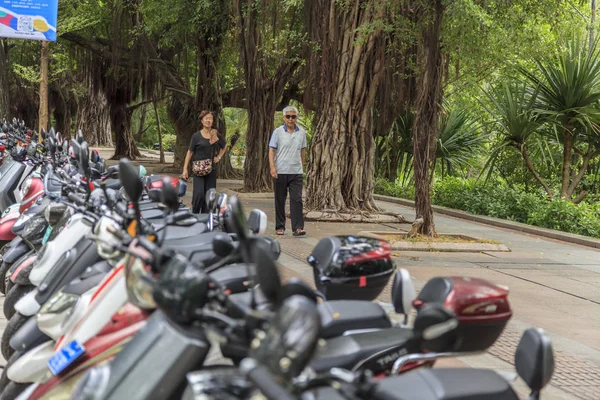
(139, 283)
(25, 187)
(59, 303)
(54, 212)
(35, 228)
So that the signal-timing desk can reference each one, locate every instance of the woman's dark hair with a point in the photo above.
(204, 113)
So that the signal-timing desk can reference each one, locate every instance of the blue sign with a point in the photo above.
(65, 357)
(28, 19)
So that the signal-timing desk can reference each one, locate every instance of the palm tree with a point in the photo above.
(512, 108)
(569, 94)
(459, 140)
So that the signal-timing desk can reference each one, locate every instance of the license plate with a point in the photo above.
(47, 234)
(65, 357)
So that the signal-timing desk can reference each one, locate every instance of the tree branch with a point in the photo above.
(580, 197)
(590, 155)
(531, 169)
(95, 47)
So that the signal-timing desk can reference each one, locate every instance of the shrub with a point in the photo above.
(169, 142)
(496, 199)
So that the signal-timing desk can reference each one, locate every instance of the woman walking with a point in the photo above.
(207, 148)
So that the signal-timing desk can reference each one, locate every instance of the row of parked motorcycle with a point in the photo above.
(115, 290)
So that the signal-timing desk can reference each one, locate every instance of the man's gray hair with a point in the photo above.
(290, 109)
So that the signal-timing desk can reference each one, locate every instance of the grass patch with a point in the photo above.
(440, 239)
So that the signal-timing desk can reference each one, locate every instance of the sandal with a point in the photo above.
(299, 232)
(280, 232)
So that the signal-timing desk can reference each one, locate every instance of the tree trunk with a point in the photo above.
(160, 139)
(44, 61)
(341, 172)
(5, 111)
(140, 132)
(263, 90)
(531, 169)
(93, 119)
(428, 106)
(120, 118)
(62, 114)
(566, 167)
(257, 176)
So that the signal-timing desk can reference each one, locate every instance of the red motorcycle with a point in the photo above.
(98, 350)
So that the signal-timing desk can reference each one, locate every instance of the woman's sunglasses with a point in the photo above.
(291, 116)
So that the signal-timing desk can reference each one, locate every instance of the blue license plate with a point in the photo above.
(65, 357)
(47, 234)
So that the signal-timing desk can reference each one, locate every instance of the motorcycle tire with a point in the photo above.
(14, 324)
(4, 381)
(4, 267)
(8, 285)
(16, 293)
(13, 390)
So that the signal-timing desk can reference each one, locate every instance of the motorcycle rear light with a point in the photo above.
(156, 185)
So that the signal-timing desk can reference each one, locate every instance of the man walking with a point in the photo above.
(287, 149)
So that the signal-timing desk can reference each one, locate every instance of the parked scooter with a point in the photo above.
(281, 354)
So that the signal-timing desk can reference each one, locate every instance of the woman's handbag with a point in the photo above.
(202, 167)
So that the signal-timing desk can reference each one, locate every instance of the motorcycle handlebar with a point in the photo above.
(265, 382)
(76, 199)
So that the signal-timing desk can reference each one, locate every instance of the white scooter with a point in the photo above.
(78, 226)
(111, 295)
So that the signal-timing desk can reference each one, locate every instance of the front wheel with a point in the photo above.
(16, 293)
(14, 324)
(13, 390)
(4, 267)
(4, 381)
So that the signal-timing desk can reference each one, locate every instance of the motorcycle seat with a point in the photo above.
(90, 278)
(445, 384)
(349, 352)
(339, 316)
(175, 232)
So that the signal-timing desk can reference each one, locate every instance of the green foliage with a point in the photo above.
(569, 85)
(500, 201)
(387, 188)
(459, 142)
(169, 142)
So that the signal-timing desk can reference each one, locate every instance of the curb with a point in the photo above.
(501, 223)
(438, 246)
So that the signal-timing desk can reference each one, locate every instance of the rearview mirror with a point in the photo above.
(291, 339)
(222, 245)
(534, 359)
(132, 184)
(84, 159)
(267, 275)
(257, 222)
(51, 147)
(169, 195)
(403, 291)
(79, 136)
(211, 199)
(76, 147)
(113, 171)
(236, 220)
(222, 201)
